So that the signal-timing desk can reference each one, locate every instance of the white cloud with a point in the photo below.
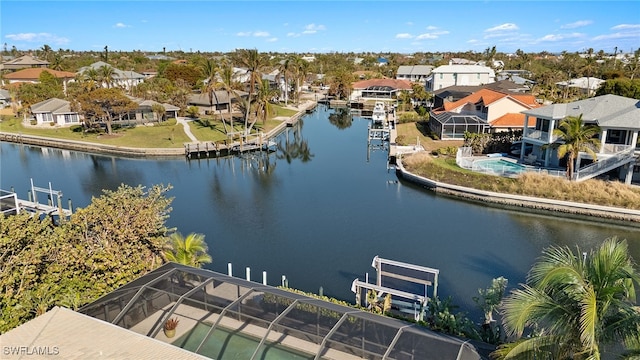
(431, 27)
(503, 27)
(273, 39)
(121, 25)
(313, 28)
(410, 23)
(426, 36)
(626, 27)
(38, 37)
(404, 36)
(292, 34)
(576, 24)
(473, 41)
(253, 33)
(559, 37)
(618, 35)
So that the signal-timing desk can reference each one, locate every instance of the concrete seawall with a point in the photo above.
(626, 217)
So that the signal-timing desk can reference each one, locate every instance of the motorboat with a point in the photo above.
(379, 112)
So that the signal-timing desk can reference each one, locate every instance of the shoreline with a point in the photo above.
(620, 216)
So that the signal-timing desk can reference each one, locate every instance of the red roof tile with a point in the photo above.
(34, 74)
(512, 120)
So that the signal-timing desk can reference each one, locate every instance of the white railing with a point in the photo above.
(601, 166)
(464, 157)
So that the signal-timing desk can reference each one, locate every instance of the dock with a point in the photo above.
(10, 204)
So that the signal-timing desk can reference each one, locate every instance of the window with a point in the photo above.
(440, 76)
(478, 76)
(616, 137)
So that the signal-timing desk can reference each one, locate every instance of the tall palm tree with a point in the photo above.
(285, 69)
(264, 108)
(577, 137)
(210, 71)
(107, 75)
(190, 250)
(255, 63)
(576, 303)
(227, 83)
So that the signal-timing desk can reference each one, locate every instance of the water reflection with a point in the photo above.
(341, 118)
(294, 146)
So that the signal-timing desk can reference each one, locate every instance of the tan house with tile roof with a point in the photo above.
(486, 109)
(32, 75)
(26, 61)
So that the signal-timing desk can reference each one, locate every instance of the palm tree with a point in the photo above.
(106, 74)
(285, 69)
(190, 250)
(264, 108)
(254, 62)
(577, 138)
(575, 303)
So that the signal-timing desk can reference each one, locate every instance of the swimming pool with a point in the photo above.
(498, 167)
(225, 344)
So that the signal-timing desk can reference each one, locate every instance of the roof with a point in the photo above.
(221, 97)
(392, 83)
(69, 335)
(150, 103)
(118, 74)
(414, 70)
(53, 105)
(4, 94)
(487, 97)
(512, 120)
(460, 91)
(25, 61)
(215, 310)
(34, 74)
(583, 83)
(609, 111)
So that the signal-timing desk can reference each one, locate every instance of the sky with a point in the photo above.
(322, 26)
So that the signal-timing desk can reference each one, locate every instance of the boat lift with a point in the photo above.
(390, 275)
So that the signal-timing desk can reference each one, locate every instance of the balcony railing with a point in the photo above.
(541, 135)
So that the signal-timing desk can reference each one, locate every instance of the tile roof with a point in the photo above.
(26, 60)
(393, 83)
(119, 74)
(512, 120)
(487, 97)
(66, 334)
(34, 74)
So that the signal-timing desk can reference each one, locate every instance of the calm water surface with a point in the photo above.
(319, 216)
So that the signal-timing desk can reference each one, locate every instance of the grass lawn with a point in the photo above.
(415, 130)
(597, 192)
(167, 135)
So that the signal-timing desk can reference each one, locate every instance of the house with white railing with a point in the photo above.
(619, 120)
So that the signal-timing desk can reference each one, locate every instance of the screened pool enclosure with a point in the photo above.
(452, 126)
(223, 317)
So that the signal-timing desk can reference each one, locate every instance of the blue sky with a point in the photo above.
(322, 26)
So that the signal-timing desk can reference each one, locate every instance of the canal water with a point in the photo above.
(318, 210)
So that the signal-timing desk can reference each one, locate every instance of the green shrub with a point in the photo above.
(401, 140)
(407, 117)
(193, 111)
(75, 128)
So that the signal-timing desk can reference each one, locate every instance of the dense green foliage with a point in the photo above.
(574, 304)
(577, 138)
(120, 236)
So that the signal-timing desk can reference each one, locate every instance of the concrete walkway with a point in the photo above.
(187, 129)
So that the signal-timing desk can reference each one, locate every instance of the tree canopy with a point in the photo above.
(104, 104)
(120, 236)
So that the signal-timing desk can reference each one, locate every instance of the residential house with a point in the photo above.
(220, 102)
(5, 98)
(32, 75)
(482, 111)
(378, 89)
(455, 93)
(26, 61)
(126, 79)
(414, 73)
(452, 75)
(585, 85)
(144, 112)
(309, 58)
(617, 117)
(55, 111)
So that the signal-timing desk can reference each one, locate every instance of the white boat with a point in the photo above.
(379, 112)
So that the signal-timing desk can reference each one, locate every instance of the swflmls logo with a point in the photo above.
(30, 350)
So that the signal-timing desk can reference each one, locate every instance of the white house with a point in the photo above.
(54, 111)
(414, 73)
(123, 79)
(454, 75)
(617, 117)
(587, 85)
